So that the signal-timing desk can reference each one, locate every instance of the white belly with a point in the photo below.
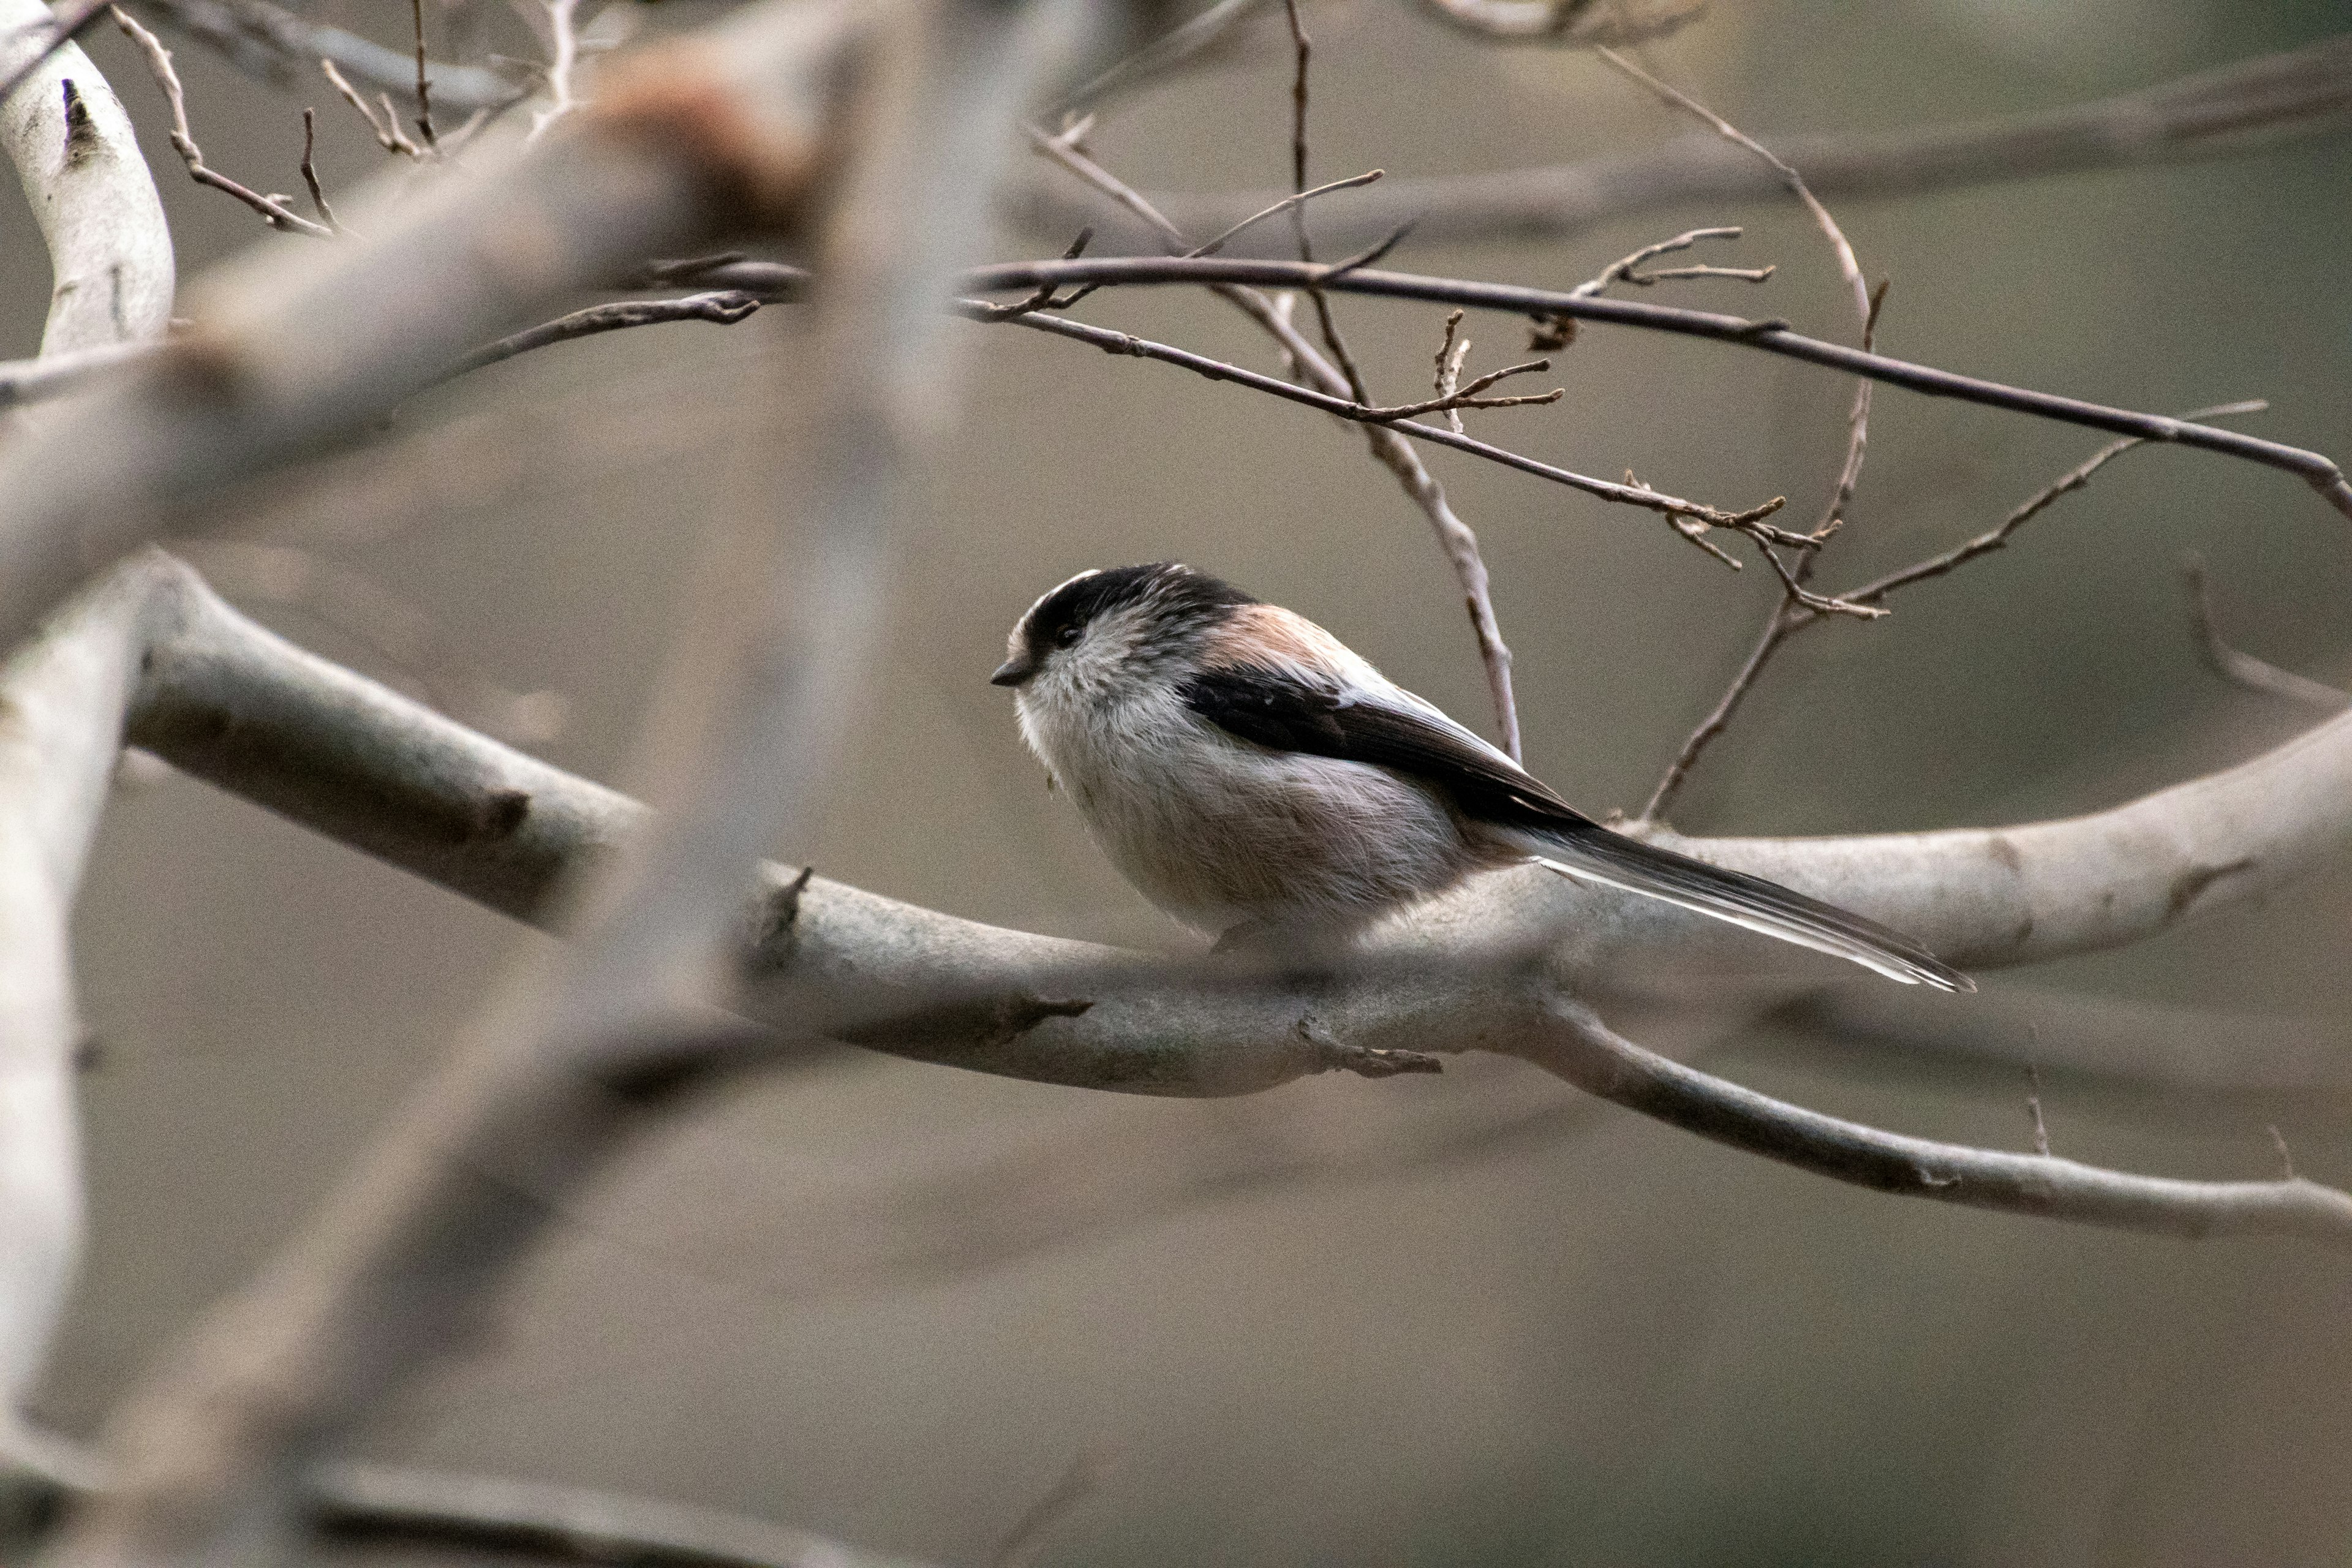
(1219, 832)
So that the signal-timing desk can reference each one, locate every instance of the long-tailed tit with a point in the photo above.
(1250, 772)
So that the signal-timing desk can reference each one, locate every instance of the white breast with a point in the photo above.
(1219, 832)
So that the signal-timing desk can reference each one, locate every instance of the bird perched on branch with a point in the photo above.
(1257, 779)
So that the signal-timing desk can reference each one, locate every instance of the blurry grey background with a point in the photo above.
(1613, 1344)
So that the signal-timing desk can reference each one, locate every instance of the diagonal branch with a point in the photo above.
(1771, 336)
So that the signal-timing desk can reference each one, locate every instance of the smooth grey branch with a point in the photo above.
(280, 47)
(78, 159)
(2230, 112)
(64, 695)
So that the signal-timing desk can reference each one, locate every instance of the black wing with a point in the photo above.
(1288, 712)
(1285, 712)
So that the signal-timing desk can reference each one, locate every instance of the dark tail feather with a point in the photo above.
(1593, 853)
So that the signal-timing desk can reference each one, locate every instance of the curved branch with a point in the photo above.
(78, 160)
(2245, 107)
(63, 695)
(1582, 1051)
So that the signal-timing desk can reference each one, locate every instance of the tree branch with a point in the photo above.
(64, 695)
(585, 1046)
(78, 159)
(1771, 336)
(1582, 1049)
(2243, 107)
(276, 45)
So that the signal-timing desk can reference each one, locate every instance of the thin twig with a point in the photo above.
(1625, 268)
(725, 307)
(1287, 204)
(1451, 352)
(1750, 521)
(159, 62)
(424, 88)
(1468, 396)
(386, 131)
(1773, 336)
(2242, 668)
(310, 172)
(2033, 1117)
(1302, 51)
(1789, 620)
(1796, 596)
(563, 43)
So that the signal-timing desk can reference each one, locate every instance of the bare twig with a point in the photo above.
(564, 59)
(1289, 203)
(385, 128)
(2033, 1118)
(1796, 596)
(1450, 402)
(2242, 668)
(1750, 521)
(725, 307)
(1626, 268)
(424, 87)
(310, 172)
(1771, 336)
(1302, 51)
(1452, 350)
(1791, 619)
(159, 61)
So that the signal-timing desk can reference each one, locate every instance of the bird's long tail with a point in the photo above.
(1590, 853)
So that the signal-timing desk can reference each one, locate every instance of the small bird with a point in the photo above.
(1259, 780)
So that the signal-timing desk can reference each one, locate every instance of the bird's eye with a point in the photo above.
(1068, 637)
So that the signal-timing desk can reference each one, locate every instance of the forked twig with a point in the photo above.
(2242, 668)
(159, 63)
(386, 130)
(1790, 618)
(1626, 268)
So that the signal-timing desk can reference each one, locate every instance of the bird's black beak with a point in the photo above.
(1014, 670)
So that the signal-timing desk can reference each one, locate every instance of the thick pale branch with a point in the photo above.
(291, 352)
(78, 158)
